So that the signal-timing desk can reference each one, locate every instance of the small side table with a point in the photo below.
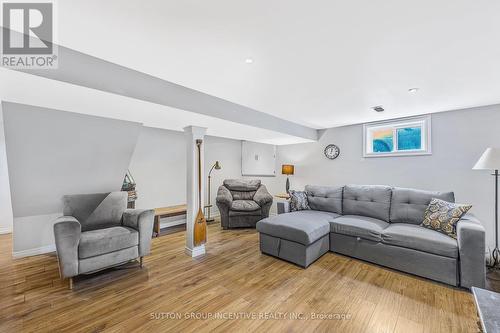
(167, 212)
(488, 305)
(280, 205)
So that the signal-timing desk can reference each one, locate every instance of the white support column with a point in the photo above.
(192, 134)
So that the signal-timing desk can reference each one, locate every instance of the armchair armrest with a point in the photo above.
(262, 196)
(141, 220)
(471, 247)
(67, 232)
(224, 201)
(224, 197)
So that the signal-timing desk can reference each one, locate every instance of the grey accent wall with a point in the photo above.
(51, 153)
(458, 140)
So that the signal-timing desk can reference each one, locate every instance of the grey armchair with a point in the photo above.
(242, 203)
(97, 231)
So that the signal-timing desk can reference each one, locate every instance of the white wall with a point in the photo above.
(258, 159)
(228, 153)
(158, 164)
(51, 153)
(6, 218)
(458, 140)
(41, 139)
(159, 168)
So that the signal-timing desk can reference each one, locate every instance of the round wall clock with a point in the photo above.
(332, 152)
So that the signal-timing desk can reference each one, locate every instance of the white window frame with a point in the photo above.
(423, 121)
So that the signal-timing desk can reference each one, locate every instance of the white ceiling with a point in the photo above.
(321, 63)
(29, 89)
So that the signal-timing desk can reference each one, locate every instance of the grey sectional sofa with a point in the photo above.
(379, 224)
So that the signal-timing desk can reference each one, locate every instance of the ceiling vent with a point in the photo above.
(378, 108)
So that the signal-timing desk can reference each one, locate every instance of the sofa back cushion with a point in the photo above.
(409, 205)
(325, 198)
(97, 210)
(242, 195)
(242, 185)
(367, 200)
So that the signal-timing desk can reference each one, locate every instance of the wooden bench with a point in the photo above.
(167, 212)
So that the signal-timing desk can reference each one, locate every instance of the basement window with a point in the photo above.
(402, 137)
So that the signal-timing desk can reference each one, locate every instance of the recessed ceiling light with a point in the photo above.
(378, 108)
(412, 90)
(249, 60)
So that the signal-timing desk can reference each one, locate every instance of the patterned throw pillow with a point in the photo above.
(298, 201)
(443, 216)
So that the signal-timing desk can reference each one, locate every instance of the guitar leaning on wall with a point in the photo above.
(200, 224)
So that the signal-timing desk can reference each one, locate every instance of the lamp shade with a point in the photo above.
(287, 169)
(217, 165)
(490, 160)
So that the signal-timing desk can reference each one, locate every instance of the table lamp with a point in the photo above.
(287, 169)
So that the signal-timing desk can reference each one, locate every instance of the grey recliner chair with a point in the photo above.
(242, 203)
(97, 231)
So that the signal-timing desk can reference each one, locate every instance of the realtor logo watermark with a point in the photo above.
(28, 35)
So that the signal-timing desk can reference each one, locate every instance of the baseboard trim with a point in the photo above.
(33, 252)
(5, 230)
(196, 251)
(213, 216)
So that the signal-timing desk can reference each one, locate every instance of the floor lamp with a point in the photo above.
(216, 166)
(490, 160)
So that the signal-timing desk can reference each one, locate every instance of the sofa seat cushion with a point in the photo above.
(359, 226)
(419, 238)
(244, 205)
(101, 241)
(304, 226)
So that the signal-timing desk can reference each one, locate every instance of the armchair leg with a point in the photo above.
(141, 261)
(70, 283)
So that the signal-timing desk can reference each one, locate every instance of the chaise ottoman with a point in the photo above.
(299, 237)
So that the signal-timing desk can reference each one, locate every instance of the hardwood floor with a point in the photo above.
(234, 278)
